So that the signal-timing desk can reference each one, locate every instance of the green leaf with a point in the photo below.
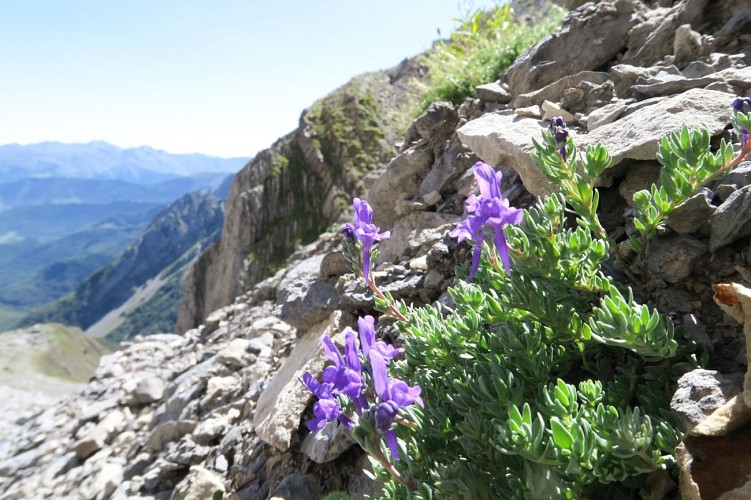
(561, 435)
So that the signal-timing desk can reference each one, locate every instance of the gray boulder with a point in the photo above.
(600, 27)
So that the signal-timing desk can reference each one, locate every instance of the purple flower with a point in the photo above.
(326, 408)
(345, 374)
(394, 394)
(742, 105)
(362, 229)
(366, 326)
(489, 214)
(344, 377)
(558, 128)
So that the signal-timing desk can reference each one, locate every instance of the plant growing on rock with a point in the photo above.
(687, 165)
(484, 44)
(544, 378)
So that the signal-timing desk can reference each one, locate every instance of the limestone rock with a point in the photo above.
(282, 403)
(199, 484)
(493, 92)
(731, 220)
(693, 215)
(103, 482)
(236, 354)
(637, 135)
(667, 84)
(688, 45)
(97, 437)
(552, 110)
(439, 119)
(639, 176)
(700, 392)
(555, 91)
(304, 298)
(672, 258)
(740, 175)
(328, 443)
(506, 140)
(604, 115)
(297, 486)
(454, 161)
(402, 178)
(600, 27)
(652, 39)
(168, 432)
(145, 391)
(404, 236)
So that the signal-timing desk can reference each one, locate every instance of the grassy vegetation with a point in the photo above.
(349, 130)
(71, 355)
(9, 318)
(484, 45)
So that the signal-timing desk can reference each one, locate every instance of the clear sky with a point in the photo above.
(224, 77)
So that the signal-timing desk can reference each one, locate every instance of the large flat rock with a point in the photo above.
(506, 140)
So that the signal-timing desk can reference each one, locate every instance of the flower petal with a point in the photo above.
(390, 438)
(366, 327)
(380, 376)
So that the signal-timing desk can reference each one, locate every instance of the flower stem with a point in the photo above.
(412, 485)
(392, 306)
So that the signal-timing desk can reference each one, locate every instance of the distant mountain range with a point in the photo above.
(68, 210)
(101, 160)
(150, 269)
(66, 190)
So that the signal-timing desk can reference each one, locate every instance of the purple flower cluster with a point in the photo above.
(346, 377)
(742, 105)
(363, 230)
(489, 215)
(558, 128)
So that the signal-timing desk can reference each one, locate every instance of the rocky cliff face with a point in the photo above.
(221, 409)
(292, 191)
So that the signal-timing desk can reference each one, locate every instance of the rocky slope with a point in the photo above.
(220, 410)
(41, 365)
(165, 249)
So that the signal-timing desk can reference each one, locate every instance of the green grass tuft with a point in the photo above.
(483, 46)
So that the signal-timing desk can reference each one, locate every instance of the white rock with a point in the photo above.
(507, 140)
(530, 111)
(285, 398)
(199, 484)
(552, 110)
(235, 355)
(328, 443)
(97, 437)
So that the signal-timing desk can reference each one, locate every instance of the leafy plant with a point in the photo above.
(544, 378)
(688, 164)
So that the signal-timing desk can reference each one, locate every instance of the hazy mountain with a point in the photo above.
(65, 190)
(158, 258)
(33, 273)
(48, 222)
(100, 160)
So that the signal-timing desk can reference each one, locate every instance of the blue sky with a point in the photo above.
(225, 77)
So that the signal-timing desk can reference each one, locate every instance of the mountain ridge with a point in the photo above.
(102, 160)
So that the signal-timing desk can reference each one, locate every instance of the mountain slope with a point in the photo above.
(65, 190)
(34, 272)
(171, 241)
